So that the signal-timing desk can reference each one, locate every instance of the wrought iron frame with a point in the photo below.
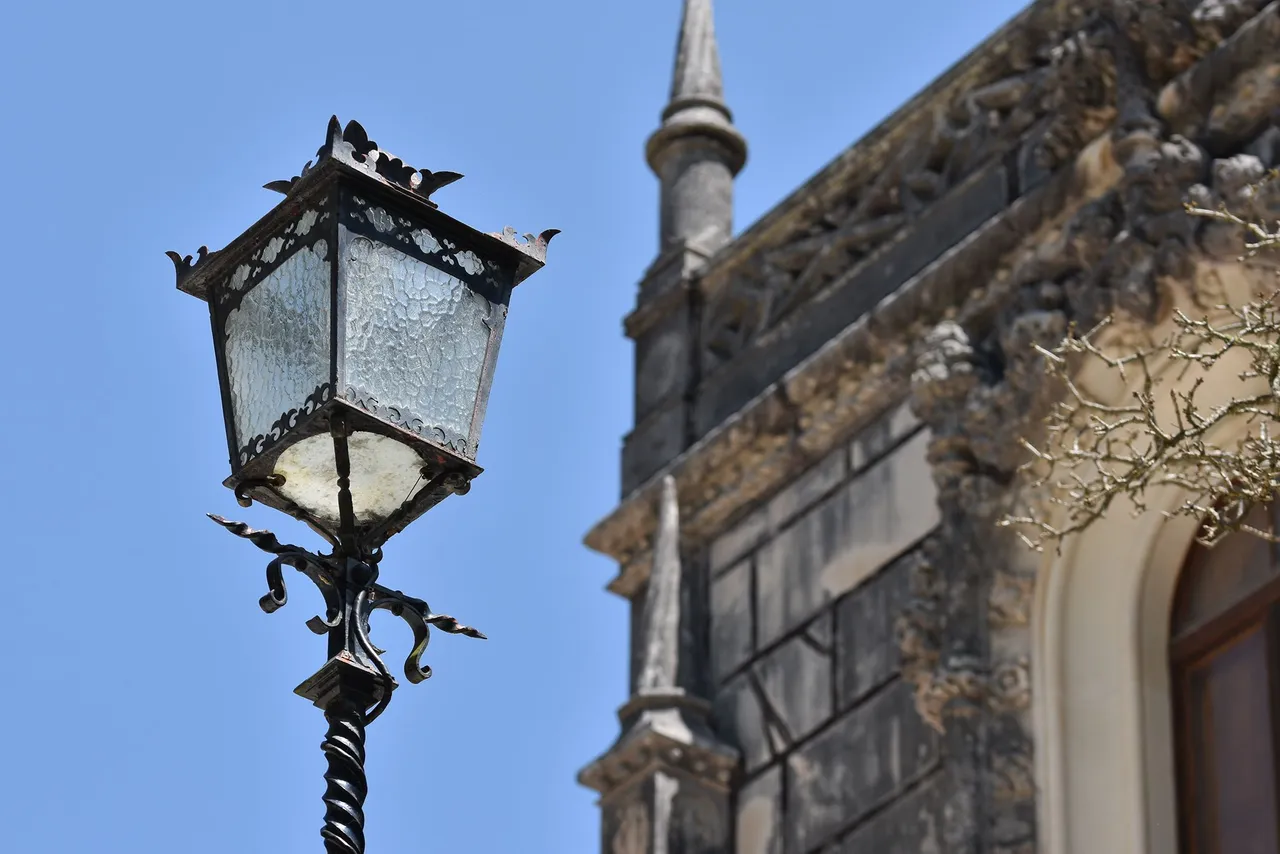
(354, 187)
(354, 686)
(358, 189)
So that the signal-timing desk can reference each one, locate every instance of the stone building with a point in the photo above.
(835, 648)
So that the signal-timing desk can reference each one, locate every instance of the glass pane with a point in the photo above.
(384, 475)
(1235, 797)
(415, 341)
(1219, 577)
(278, 345)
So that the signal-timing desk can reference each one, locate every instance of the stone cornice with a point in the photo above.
(870, 153)
(847, 383)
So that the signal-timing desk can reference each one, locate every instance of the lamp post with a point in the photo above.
(356, 329)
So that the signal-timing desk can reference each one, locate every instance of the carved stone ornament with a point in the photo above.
(1054, 73)
(677, 739)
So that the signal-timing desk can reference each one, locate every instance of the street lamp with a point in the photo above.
(356, 329)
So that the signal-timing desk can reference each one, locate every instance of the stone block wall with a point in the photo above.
(804, 592)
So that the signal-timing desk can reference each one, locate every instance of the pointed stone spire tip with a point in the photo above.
(697, 73)
(697, 104)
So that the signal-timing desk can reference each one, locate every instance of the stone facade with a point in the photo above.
(830, 404)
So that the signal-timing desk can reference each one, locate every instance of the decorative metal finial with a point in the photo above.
(184, 265)
(534, 247)
(351, 145)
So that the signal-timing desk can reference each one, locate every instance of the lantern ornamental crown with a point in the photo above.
(356, 328)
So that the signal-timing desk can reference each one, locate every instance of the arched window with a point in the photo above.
(1224, 654)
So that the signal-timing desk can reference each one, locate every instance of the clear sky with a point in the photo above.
(148, 700)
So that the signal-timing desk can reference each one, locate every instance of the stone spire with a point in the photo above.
(697, 75)
(664, 784)
(697, 151)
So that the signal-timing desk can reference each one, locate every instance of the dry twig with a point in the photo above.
(1094, 453)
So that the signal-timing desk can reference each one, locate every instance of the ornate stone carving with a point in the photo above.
(1049, 76)
(1013, 777)
(957, 688)
(1235, 187)
(919, 627)
(1009, 602)
(1010, 689)
(1174, 34)
(979, 385)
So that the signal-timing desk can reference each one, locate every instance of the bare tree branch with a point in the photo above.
(1094, 453)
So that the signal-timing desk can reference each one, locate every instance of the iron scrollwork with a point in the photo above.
(351, 594)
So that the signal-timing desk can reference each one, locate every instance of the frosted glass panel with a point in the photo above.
(384, 475)
(416, 339)
(278, 344)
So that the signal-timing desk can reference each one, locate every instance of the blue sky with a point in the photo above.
(149, 700)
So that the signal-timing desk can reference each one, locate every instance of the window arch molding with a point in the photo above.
(1102, 705)
(1101, 693)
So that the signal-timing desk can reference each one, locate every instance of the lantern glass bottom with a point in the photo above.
(384, 475)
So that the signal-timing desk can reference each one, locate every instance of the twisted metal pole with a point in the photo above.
(347, 786)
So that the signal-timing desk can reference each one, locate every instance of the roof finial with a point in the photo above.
(697, 128)
(697, 76)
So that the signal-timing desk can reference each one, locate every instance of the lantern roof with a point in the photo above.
(348, 152)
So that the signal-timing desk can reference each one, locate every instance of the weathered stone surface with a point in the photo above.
(859, 764)
(912, 825)
(725, 391)
(1057, 110)
(625, 828)
(866, 653)
(663, 363)
(800, 494)
(839, 543)
(732, 620)
(652, 444)
(821, 632)
(700, 820)
(870, 444)
(792, 499)
(666, 812)
(733, 544)
(759, 827)
(796, 681)
(740, 719)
